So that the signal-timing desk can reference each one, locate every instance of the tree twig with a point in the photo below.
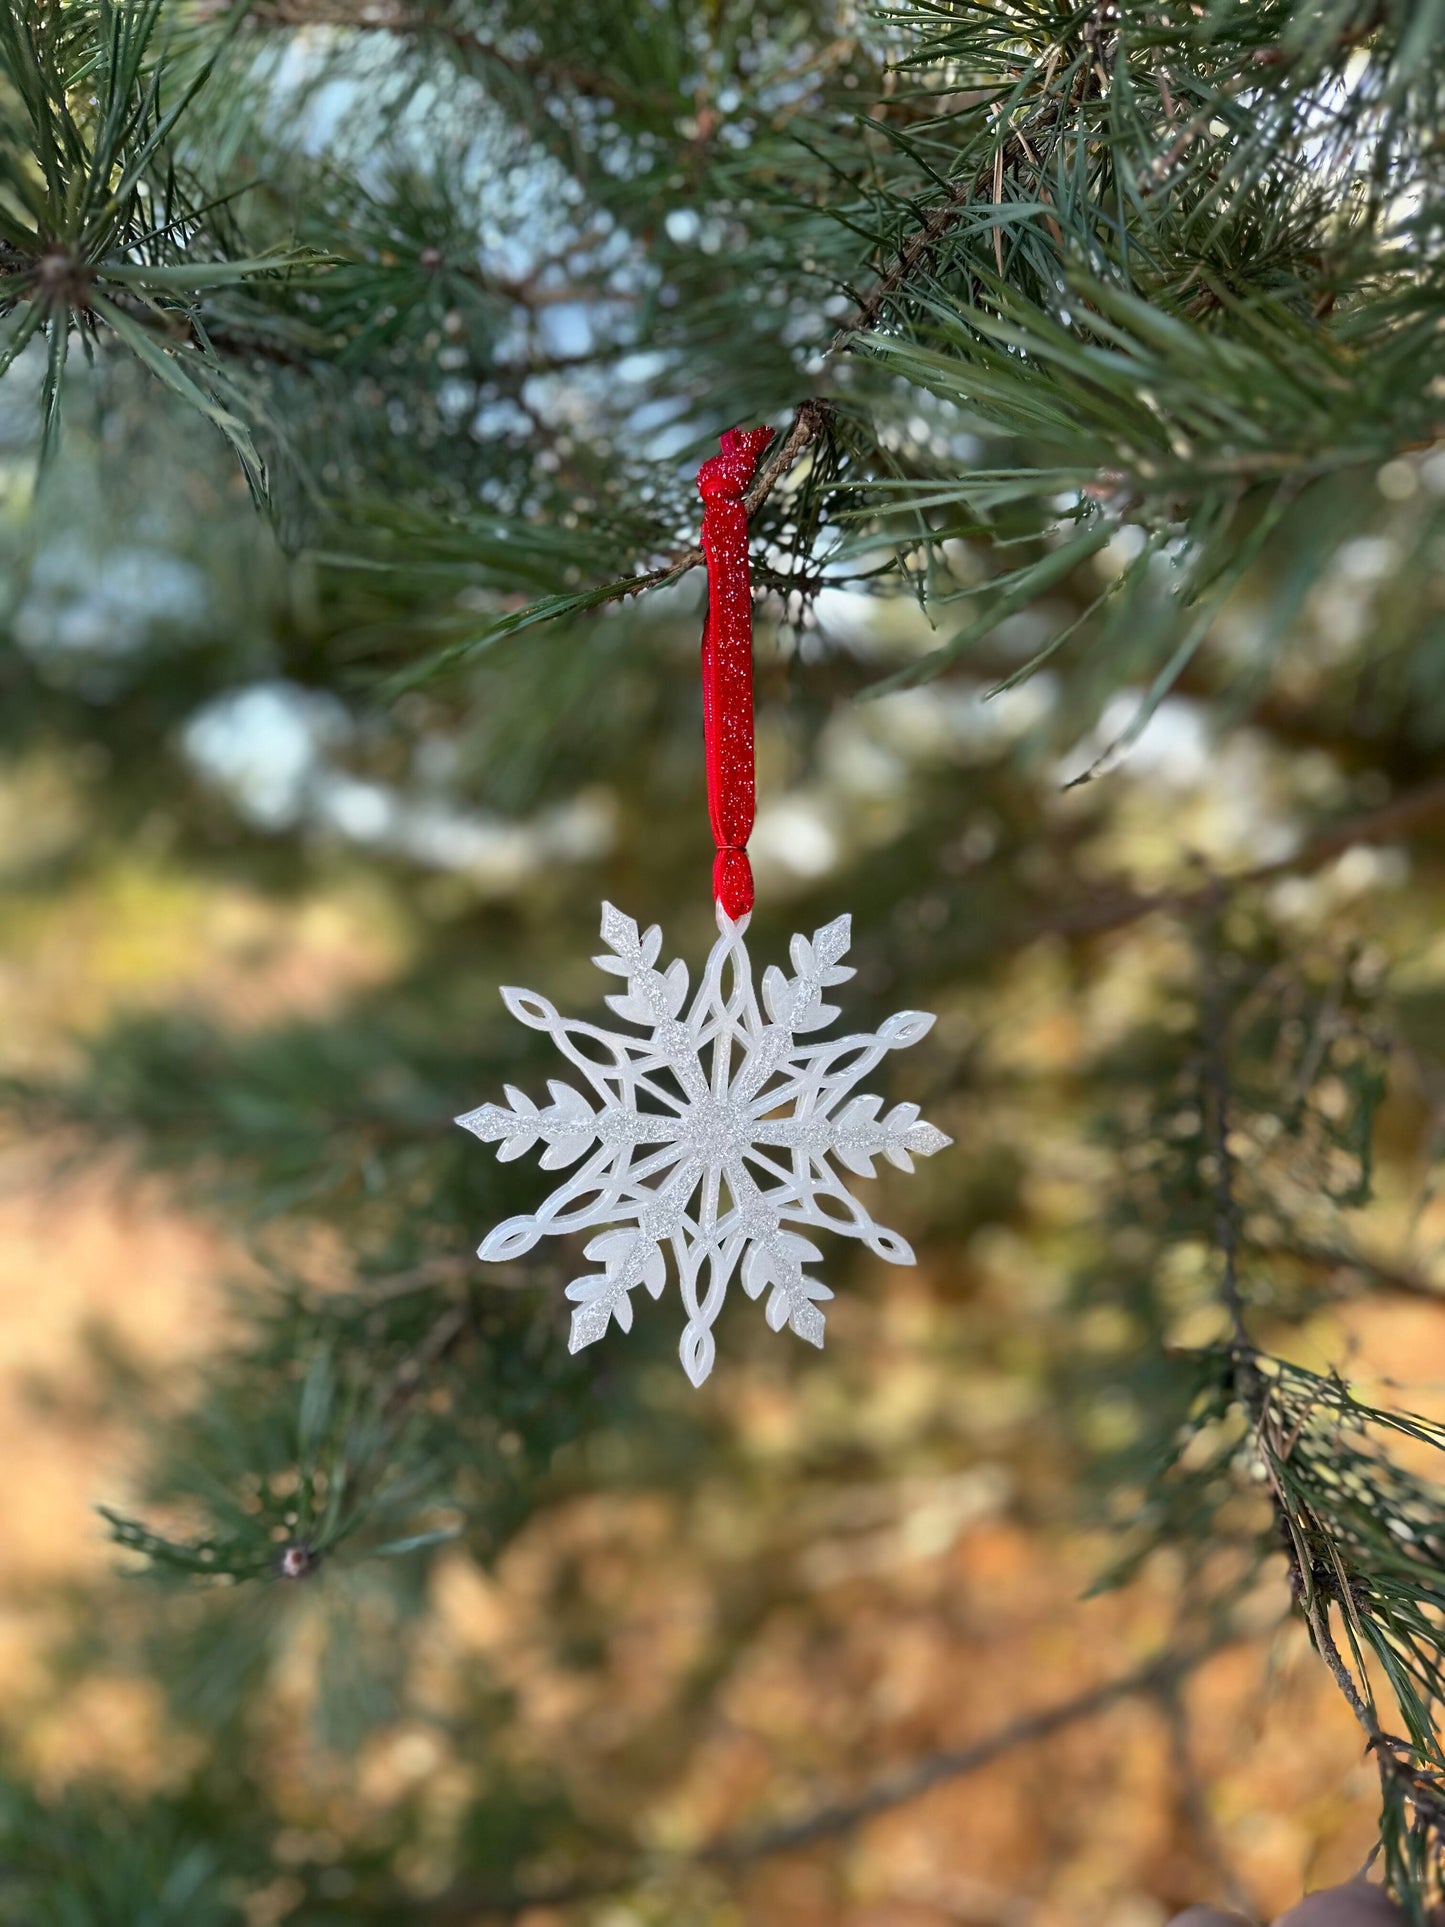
(1381, 1275)
(909, 1782)
(889, 1790)
(1193, 1805)
(387, 18)
(1226, 1205)
(1106, 913)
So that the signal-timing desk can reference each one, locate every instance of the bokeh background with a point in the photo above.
(594, 1647)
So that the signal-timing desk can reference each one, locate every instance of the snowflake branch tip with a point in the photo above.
(514, 1239)
(708, 1130)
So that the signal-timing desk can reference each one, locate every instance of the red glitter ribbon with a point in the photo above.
(727, 662)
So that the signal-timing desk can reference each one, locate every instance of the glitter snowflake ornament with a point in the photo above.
(714, 1132)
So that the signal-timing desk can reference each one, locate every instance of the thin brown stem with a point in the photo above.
(1193, 1803)
(1105, 913)
(920, 1776)
(1381, 1275)
(386, 18)
(826, 1822)
(1226, 1205)
(1317, 1613)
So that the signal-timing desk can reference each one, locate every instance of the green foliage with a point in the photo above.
(1104, 343)
(104, 229)
(1175, 268)
(89, 1861)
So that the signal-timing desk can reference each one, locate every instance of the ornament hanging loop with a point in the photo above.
(727, 662)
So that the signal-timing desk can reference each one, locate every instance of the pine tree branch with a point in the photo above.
(1025, 143)
(963, 195)
(184, 329)
(1250, 1388)
(806, 426)
(1393, 1755)
(1317, 1613)
(810, 416)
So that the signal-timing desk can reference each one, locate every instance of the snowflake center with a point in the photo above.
(714, 1131)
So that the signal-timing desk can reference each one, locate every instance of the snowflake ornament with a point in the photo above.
(714, 1131)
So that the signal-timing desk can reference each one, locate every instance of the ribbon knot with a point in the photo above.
(727, 662)
(726, 477)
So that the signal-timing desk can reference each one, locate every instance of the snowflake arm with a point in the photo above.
(715, 1133)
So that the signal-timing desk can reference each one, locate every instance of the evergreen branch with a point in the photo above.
(1030, 141)
(809, 418)
(1317, 1613)
(352, 1435)
(183, 327)
(807, 425)
(917, 252)
(1422, 1787)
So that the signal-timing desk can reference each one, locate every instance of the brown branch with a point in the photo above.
(889, 1790)
(810, 416)
(1226, 1205)
(1193, 1804)
(920, 1776)
(1317, 1612)
(960, 197)
(1381, 1275)
(383, 17)
(1103, 914)
(804, 429)
(807, 424)
(1393, 1756)
(1372, 826)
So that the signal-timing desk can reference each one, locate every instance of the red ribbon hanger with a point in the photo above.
(727, 662)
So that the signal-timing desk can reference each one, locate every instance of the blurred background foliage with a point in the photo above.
(357, 361)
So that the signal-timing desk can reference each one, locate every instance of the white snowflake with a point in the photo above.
(713, 1133)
